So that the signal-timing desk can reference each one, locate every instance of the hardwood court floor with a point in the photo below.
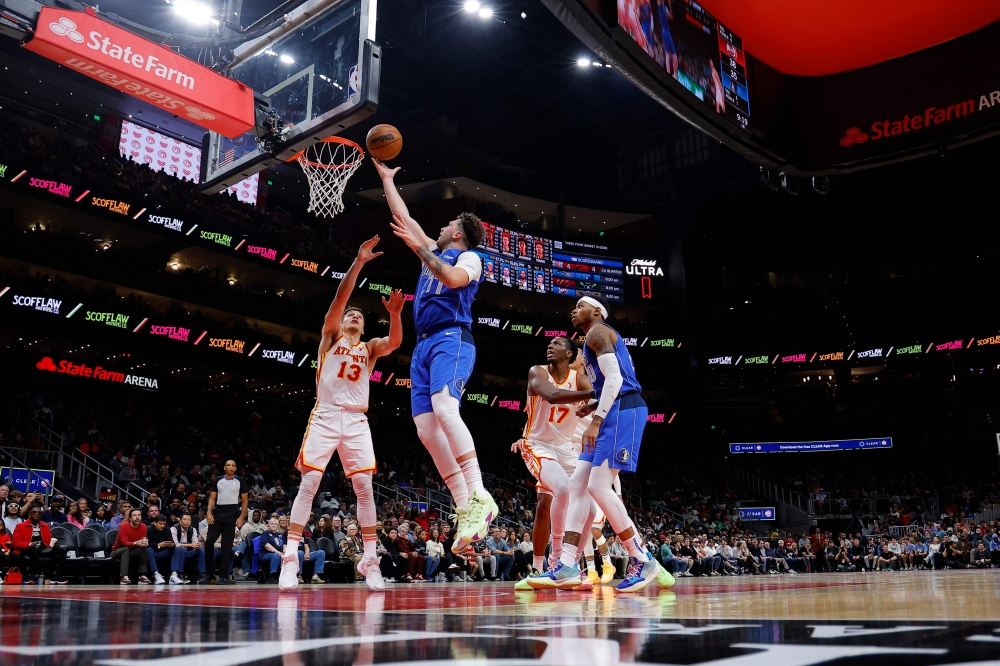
(892, 619)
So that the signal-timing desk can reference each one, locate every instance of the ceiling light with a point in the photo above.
(582, 62)
(195, 12)
(523, 15)
(471, 6)
(485, 13)
(287, 59)
(596, 64)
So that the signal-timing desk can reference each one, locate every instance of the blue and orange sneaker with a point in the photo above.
(639, 574)
(562, 577)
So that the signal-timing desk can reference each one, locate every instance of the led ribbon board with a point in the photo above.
(829, 445)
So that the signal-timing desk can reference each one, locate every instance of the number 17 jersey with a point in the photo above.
(552, 424)
(342, 376)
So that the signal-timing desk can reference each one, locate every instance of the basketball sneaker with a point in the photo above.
(373, 574)
(607, 571)
(639, 574)
(664, 578)
(475, 523)
(522, 585)
(561, 577)
(593, 577)
(288, 579)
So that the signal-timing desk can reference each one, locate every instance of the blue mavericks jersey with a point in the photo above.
(629, 383)
(436, 306)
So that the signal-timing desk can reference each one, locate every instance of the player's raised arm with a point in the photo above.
(332, 321)
(385, 346)
(542, 387)
(396, 204)
(450, 276)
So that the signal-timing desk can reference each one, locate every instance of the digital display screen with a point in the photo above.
(694, 48)
(531, 263)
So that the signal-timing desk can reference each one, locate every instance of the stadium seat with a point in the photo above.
(69, 527)
(96, 555)
(100, 529)
(335, 570)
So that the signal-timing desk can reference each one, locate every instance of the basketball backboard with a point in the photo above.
(320, 71)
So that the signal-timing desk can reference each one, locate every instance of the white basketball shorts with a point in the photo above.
(332, 428)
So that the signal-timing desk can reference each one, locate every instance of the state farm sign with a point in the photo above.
(87, 44)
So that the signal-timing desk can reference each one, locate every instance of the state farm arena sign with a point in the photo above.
(118, 58)
(96, 372)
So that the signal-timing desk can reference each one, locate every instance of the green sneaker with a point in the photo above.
(475, 523)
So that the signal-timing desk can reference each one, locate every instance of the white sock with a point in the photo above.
(369, 541)
(634, 546)
(473, 477)
(538, 562)
(570, 555)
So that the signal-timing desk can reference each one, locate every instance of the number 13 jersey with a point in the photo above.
(552, 424)
(342, 376)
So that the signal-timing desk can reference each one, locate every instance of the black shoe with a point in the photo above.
(205, 580)
(272, 579)
(262, 580)
(226, 580)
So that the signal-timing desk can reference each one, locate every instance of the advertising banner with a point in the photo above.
(131, 64)
(830, 445)
(758, 513)
(29, 480)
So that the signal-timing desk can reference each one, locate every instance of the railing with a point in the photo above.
(772, 490)
(661, 507)
(80, 469)
(425, 495)
(989, 514)
(29, 459)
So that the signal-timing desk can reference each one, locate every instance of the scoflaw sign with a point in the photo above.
(87, 44)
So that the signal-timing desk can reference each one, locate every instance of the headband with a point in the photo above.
(596, 303)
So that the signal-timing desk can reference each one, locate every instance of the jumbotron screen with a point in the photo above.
(695, 49)
(531, 263)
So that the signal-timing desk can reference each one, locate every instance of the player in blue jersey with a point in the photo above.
(445, 353)
(610, 445)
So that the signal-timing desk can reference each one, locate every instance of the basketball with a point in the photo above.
(384, 142)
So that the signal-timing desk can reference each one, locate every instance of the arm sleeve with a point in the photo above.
(612, 383)
(471, 264)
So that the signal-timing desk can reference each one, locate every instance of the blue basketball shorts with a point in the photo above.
(620, 437)
(442, 359)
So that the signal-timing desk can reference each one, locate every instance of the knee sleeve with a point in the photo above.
(433, 437)
(304, 499)
(362, 482)
(601, 490)
(445, 408)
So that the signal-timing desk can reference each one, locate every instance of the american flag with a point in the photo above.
(227, 157)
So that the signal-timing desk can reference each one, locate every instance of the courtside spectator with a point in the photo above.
(130, 543)
(55, 515)
(125, 508)
(187, 546)
(161, 546)
(38, 551)
(271, 547)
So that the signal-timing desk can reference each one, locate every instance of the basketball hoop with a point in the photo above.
(328, 165)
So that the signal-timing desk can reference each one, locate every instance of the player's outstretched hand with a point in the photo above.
(402, 229)
(586, 408)
(384, 172)
(367, 250)
(394, 304)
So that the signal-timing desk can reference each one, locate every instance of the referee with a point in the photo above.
(227, 511)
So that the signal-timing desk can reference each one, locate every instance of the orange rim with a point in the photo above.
(330, 139)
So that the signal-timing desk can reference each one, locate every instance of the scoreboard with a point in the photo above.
(542, 265)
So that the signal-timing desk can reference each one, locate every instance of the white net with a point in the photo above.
(328, 166)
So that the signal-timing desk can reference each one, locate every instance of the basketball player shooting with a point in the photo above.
(610, 445)
(338, 422)
(445, 354)
(547, 445)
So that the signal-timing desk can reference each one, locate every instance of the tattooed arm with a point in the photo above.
(450, 276)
